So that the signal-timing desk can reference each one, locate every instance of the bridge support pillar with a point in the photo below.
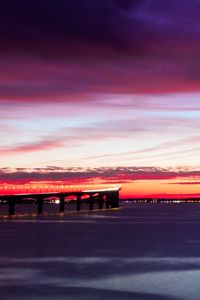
(100, 201)
(107, 200)
(78, 203)
(91, 202)
(40, 204)
(62, 205)
(11, 207)
(112, 200)
(117, 199)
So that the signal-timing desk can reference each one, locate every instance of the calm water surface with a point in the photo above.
(143, 251)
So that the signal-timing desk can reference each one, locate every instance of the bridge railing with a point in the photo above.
(13, 189)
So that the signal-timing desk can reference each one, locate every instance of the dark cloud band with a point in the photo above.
(106, 175)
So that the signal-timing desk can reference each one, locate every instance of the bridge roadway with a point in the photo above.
(108, 197)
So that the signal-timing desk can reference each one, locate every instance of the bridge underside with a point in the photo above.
(103, 198)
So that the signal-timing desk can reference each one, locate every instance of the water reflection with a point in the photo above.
(149, 252)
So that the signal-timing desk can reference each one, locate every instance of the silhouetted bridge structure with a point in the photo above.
(107, 197)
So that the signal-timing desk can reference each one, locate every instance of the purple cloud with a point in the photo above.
(106, 175)
(74, 49)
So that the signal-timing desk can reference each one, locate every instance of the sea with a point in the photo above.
(141, 251)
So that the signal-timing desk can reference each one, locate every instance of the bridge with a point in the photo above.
(104, 196)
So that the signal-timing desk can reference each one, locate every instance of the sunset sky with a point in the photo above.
(96, 91)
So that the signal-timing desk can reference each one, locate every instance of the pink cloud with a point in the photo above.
(117, 174)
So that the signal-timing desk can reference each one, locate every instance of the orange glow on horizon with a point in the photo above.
(134, 189)
(160, 189)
